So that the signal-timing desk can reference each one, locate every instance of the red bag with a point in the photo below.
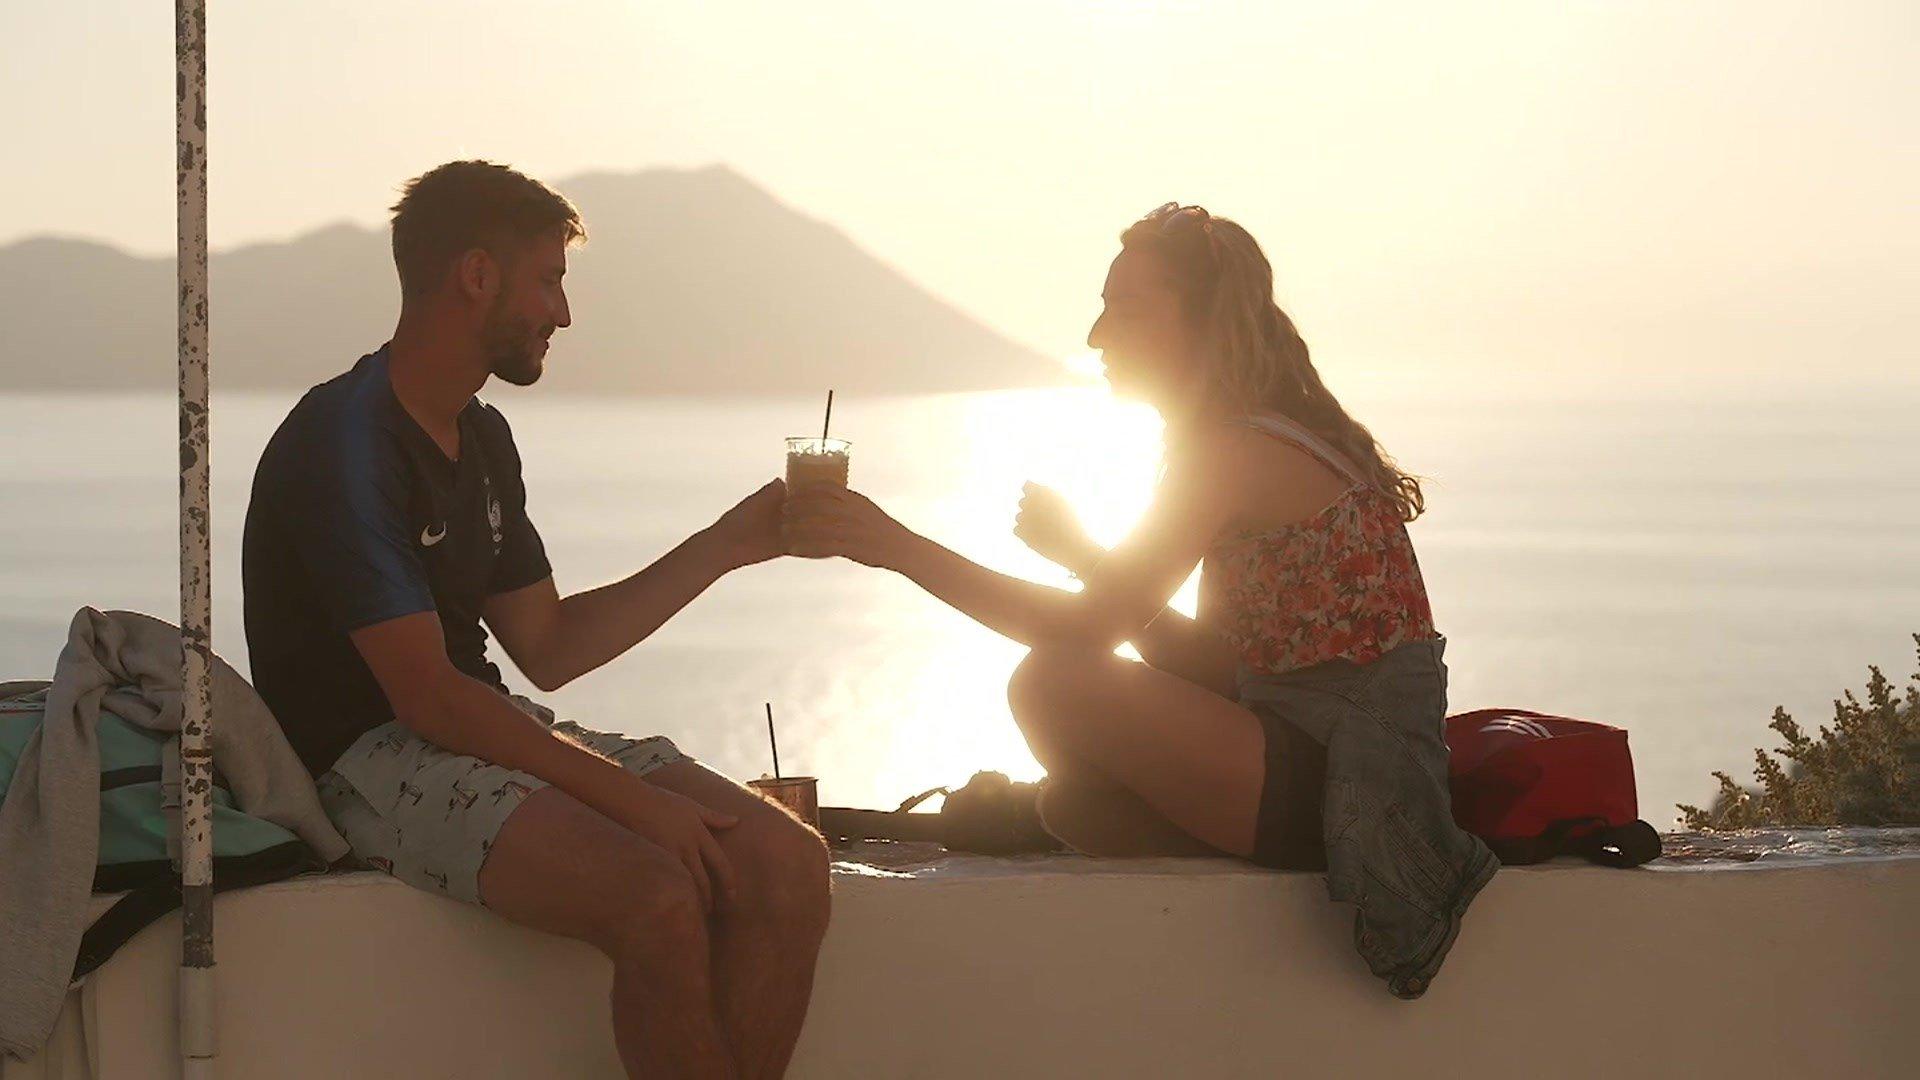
(1534, 786)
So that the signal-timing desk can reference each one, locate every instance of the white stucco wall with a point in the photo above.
(1068, 968)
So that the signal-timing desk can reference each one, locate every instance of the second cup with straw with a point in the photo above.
(799, 794)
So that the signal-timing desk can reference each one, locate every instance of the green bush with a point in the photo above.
(1865, 770)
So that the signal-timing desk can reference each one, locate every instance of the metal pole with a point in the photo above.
(197, 1046)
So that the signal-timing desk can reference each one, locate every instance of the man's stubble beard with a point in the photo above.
(513, 347)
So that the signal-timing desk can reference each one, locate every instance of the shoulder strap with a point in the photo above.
(129, 915)
(148, 903)
(1281, 427)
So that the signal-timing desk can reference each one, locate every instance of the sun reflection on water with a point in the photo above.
(1104, 456)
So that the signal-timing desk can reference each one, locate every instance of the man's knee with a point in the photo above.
(650, 913)
(783, 869)
(559, 866)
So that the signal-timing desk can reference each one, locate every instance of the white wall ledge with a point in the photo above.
(972, 967)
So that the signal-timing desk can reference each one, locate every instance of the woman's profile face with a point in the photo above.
(1143, 335)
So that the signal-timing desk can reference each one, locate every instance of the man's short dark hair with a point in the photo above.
(448, 211)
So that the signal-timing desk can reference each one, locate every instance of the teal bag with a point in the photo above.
(133, 830)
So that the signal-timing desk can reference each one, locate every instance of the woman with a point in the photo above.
(1298, 720)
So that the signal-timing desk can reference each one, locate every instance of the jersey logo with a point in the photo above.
(493, 511)
(428, 537)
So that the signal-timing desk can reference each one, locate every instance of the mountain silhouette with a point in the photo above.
(692, 282)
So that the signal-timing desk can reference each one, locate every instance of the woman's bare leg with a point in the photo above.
(1195, 757)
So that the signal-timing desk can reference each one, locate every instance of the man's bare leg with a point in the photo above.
(764, 948)
(560, 866)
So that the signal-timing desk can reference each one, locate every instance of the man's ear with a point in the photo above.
(478, 275)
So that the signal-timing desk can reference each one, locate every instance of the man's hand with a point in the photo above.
(750, 532)
(684, 829)
(1047, 524)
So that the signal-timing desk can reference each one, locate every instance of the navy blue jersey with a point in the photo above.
(357, 517)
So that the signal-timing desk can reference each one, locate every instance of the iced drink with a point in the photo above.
(816, 461)
(800, 794)
(813, 463)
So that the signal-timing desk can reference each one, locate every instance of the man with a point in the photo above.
(388, 521)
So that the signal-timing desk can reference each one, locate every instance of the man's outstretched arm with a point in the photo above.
(555, 640)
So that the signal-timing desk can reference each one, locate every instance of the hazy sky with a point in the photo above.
(1638, 188)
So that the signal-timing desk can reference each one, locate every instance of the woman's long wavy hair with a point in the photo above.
(1257, 360)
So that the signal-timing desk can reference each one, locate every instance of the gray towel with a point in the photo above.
(128, 664)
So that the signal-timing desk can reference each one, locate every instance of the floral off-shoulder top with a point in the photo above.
(1343, 584)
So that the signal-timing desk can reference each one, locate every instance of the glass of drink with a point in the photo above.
(816, 461)
(799, 794)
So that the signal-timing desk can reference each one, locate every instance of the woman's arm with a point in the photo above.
(1171, 642)
(1174, 643)
(1123, 594)
(822, 522)
(1029, 613)
(1025, 611)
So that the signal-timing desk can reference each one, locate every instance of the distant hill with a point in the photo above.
(692, 282)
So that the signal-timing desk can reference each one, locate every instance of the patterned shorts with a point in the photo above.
(428, 817)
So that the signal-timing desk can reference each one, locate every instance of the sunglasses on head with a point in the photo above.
(1174, 218)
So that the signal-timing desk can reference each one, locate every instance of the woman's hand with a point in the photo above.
(824, 520)
(1047, 524)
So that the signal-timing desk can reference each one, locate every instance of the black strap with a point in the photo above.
(1526, 850)
(1621, 846)
(989, 815)
(128, 916)
(843, 823)
(136, 774)
(915, 800)
(148, 774)
(148, 902)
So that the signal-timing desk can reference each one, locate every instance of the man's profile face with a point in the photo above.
(529, 307)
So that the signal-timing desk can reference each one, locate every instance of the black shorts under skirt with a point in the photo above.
(1288, 834)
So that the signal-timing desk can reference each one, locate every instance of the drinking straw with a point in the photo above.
(829, 420)
(775, 743)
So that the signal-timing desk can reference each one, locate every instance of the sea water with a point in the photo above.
(1673, 563)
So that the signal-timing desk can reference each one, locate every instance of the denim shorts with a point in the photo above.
(428, 817)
